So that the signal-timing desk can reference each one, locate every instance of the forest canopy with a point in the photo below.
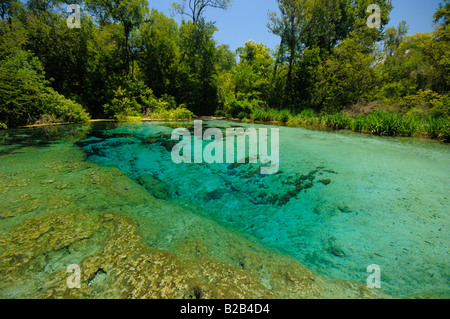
(128, 60)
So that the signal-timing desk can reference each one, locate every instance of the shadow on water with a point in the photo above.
(13, 140)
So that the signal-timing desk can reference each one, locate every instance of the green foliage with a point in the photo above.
(180, 113)
(393, 38)
(129, 13)
(159, 53)
(388, 124)
(135, 100)
(241, 106)
(337, 121)
(61, 109)
(270, 115)
(128, 62)
(63, 52)
(198, 72)
(434, 127)
(346, 77)
(25, 95)
(226, 59)
(122, 105)
(441, 107)
(12, 38)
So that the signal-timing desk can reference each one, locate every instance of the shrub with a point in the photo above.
(441, 107)
(308, 113)
(22, 82)
(284, 116)
(389, 124)
(433, 127)
(445, 132)
(338, 121)
(61, 109)
(122, 105)
(358, 124)
(26, 98)
(181, 113)
(437, 128)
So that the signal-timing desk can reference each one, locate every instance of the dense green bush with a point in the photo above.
(241, 106)
(62, 109)
(122, 105)
(441, 107)
(22, 82)
(135, 99)
(25, 97)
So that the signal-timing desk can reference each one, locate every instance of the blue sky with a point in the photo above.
(247, 19)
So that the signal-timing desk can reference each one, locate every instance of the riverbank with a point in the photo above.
(377, 123)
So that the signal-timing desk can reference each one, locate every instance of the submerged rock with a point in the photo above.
(336, 251)
(149, 140)
(169, 144)
(325, 181)
(216, 194)
(344, 208)
(155, 187)
(164, 135)
(333, 248)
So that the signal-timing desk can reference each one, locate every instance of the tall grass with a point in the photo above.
(379, 123)
(270, 115)
(437, 128)
(387, 124)
(179, 113)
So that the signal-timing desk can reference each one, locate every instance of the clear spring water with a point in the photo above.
(340, 202)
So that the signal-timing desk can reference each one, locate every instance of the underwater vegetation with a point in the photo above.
(139, 226)
(59, 210)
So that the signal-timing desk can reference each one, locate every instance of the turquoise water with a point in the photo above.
(340, 202)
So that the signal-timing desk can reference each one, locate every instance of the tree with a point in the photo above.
(13, 37)
(159, 53)
(442, 15)
(393, 37)
(197, 75)
(129, 13)
(25, 95)
(251, 77)
(289, 27)
(439, 53)
(64, 52)
(347, 76)
(226, 59)
(8, 8)
(194, 9)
